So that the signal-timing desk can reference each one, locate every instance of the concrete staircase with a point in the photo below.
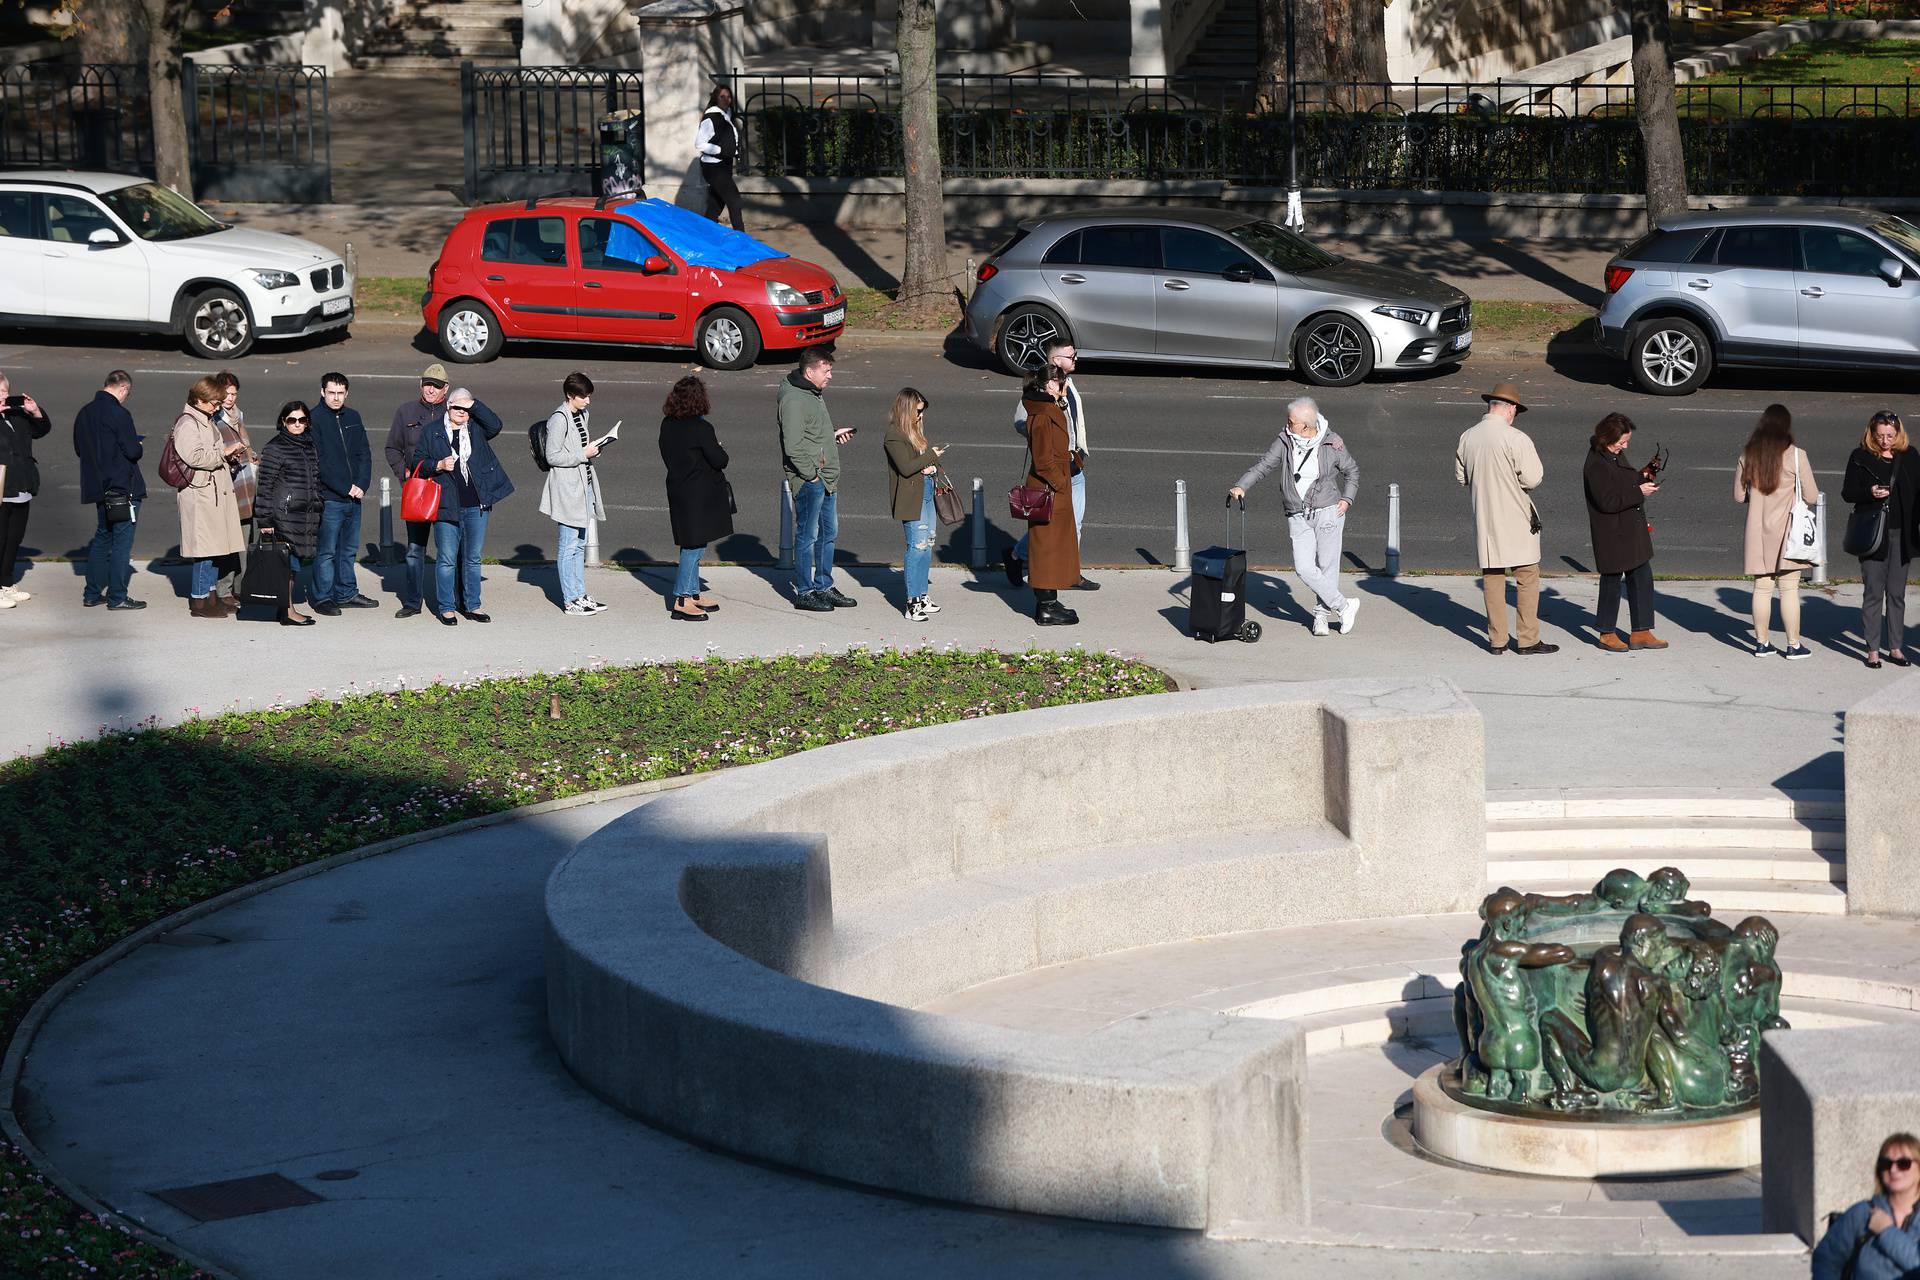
(1230, 46)
(436, 35)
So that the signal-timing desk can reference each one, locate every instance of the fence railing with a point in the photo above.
(533, 130)
(1498, 136)
(67, 116)
(259, 133)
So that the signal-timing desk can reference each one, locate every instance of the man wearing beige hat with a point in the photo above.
(1498, 464)
(403, 441)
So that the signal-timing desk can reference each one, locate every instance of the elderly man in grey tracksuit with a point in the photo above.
(1318, 482)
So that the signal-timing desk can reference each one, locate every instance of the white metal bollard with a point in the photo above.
(1182, 544)
(1393, 531)
(786, 527)
(593, 543)
(1820, 540)
(386, 521)
(979, 522)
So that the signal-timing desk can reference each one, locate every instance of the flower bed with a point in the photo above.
(101, 838)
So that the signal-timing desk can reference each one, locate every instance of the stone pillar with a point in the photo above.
(1882, 741)
(684, 46)
(540, 38)
(325, 41)
(1148, 38)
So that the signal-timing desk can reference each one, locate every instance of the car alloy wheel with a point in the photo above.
(1334, 350)
(1669, 357)
(1024, 342)
(724, 340)
(220, 325)
(468, 333)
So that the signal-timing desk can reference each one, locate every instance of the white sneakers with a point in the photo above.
(1321, 625)
(583, 607)
(1323, 621)
(16, 595)
(919, 609)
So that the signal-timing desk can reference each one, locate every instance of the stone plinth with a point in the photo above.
(1882, 741)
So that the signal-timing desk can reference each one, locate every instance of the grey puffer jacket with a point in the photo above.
(1339, 477)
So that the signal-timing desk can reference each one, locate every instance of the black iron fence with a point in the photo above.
(1742, 138)
(58, 115)
(535, 130)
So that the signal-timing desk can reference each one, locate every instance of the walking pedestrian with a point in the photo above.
(699, 499)
(1054, 563)
(718, 144)
(22, 421)
(912, 464)
(458, 451)
(1319, 481)
(109, 448)
(1878, 1238)
(1774, 479)
(1622, 539)
(1498, 464)
(572, 493)
(209, 516)
(1882, 482)
(1066, 356)
(289, 501)
(810, 455)
(346, 469)
(403, 443)
(232, 424)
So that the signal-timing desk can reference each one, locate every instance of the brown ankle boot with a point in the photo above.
(1646, 640)
(205, 607)
(1612, 643)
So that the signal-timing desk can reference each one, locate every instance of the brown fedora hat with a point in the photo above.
(1509, 393)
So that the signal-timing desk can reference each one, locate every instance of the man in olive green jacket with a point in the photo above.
(810, 455)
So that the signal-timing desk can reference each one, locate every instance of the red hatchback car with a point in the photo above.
(541, 270)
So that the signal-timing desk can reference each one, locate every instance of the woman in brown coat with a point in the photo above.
(1773, 474)
(1622, 542)
(209, 516)
(1053, 548)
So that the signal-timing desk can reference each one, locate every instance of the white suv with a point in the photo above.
(113, 251)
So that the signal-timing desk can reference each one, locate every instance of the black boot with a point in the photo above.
(1049, 612)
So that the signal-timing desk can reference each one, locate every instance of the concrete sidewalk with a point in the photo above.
(1703, 713)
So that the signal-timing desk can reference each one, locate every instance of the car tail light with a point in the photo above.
(1617, 276)
(986, 272)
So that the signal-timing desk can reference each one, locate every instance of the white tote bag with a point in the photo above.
(1803, 523)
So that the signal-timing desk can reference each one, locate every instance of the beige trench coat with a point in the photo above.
(209, 516)
(1768, 515)
(1498, 464)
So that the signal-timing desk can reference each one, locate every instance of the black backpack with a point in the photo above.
(537, 443)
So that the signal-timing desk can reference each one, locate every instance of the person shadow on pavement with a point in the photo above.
(1430, 605)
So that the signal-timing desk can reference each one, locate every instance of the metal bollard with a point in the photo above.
(593, 543)
(386, 521)
(1182, 544)
(979, 522)
(1393, 531)
(1820, 540)
(786, 527)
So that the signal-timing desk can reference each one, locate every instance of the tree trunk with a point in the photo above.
(1356, 35)
(163, 20)
(924, 284)
(1310, 52)
(110, 32)
(1653, 101)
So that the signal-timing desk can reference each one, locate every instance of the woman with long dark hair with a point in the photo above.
(912, 465)
(717, 144)
(1772, 477)
(699, 499)
(1053, 546)
(1622, 543)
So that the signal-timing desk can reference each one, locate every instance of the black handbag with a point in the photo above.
(118, 506)
(269, 575)
(1867, 530)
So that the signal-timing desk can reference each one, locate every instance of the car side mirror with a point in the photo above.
(1239, 273)
(1891, 271)
(655, 265)
(104, 238)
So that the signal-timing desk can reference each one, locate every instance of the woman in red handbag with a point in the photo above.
(288, 502)
(1053, 548)
(912, 464)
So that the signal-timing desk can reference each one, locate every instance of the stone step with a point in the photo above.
(384, 62)
(1581, 834)
(443, 44)
(1732, 899)
(1517, 804)
(1702, 866)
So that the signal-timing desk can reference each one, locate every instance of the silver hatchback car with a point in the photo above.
(1774, 288)
(1212, 287)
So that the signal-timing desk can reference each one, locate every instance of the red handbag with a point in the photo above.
(174, 472)
(419, 498)
(1030, 502)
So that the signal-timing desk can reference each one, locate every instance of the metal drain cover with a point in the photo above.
(238, 1197)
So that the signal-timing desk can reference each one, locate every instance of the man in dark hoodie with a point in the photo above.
(109, 449)
(346, 469)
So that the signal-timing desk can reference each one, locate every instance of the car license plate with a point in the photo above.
(1462, 341)
(334, 306)
(833, 317)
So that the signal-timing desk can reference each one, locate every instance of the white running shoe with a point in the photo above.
(916, 611)
(926, 602)
(578, 609)
(1347, 613)
(593, 606)
(1320, 627)
(16, 594)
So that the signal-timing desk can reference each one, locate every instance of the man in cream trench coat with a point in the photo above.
(1498, 464)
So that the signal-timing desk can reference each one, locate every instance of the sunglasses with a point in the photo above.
(294, 419)
(1902, 1163)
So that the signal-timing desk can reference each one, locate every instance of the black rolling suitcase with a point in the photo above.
(1217, 596)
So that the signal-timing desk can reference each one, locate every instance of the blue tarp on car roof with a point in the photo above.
(701, 241)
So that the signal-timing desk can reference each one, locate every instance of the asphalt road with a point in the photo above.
(1149, 426)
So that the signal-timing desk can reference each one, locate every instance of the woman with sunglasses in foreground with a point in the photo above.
(1877, 1238)
(1883, 484)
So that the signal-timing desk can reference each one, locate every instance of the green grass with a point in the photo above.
(102, 837)
(1495, 320)
(397, 296)
(1797, 73)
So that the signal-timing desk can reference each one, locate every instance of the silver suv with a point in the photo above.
(1809, 287)
(1208, 286)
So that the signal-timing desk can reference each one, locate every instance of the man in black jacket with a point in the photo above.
(346, 469)
(109, 450)
(403, 440)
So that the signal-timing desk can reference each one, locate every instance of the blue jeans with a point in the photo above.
(919, 533)
(413, 583)
(457, 545)
(1079, 516)
(200, 585)
(110, 558)
(333, 558)
(573, 563)
(293, 581)
(687, 581)
(816, 523)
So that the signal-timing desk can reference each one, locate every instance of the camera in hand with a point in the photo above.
(15, 402)
(1655, 465)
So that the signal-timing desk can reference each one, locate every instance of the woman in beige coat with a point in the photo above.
(209, 515)
(1772, 468)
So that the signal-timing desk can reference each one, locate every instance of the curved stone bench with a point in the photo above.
(731, 963)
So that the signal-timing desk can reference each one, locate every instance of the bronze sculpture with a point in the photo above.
(1630, 1000)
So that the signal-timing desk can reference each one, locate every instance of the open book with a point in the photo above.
(610, 436)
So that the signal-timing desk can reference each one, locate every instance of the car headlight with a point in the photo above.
(1412, 315)
(785, 295)
(275, 279)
